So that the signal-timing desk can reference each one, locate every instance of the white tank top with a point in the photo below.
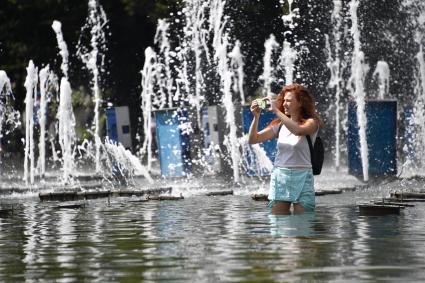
(292, 150)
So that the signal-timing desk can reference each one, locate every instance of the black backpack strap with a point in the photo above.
(310, 145)
(278, 129)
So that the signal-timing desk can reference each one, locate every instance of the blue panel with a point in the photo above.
(353, 142)
(183, 117)
(269, 146)
(111, 124)
(173, 146)
(381, 133)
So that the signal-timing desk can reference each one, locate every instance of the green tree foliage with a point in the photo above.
(26, 33)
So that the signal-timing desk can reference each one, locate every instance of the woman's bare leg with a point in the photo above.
(298, 208)
(281, 207)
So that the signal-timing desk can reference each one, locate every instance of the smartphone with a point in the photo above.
(264, 103)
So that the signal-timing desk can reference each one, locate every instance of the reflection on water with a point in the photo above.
(209, 239)
(295, 225)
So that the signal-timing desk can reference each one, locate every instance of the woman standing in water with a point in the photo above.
(291, 180)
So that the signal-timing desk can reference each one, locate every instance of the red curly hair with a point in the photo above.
(304, 97)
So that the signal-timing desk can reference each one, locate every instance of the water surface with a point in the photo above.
(209, 239)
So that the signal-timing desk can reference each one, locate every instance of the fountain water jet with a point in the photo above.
(165, 82)
(31, 82)
(419, 105)
(48, 82)
(7, 114)
(4, 83)
(288, 54)
(148, 83)
(66, 130)
(96, 21)
(237, 63)
(334, 65)
(267, 75)
(358, 73)
(65, 112)
(382, 73)
(287, 59)
(226, 81)
(414, 110)
(195, 39)
(5, 91)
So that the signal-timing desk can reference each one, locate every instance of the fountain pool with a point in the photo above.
(212, 239)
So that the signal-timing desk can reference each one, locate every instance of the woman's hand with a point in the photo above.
(273, 105)
(254, 108)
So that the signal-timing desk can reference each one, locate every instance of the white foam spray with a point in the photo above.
(124, 161)
(288, 20)
(255, 158)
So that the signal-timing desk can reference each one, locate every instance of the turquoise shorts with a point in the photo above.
(292, 185)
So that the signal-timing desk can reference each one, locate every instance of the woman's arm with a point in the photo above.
(309, 127)
(254, 136)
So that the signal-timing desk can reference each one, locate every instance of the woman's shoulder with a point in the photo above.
(310, 121)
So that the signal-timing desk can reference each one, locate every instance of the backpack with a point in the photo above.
(317, 153)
